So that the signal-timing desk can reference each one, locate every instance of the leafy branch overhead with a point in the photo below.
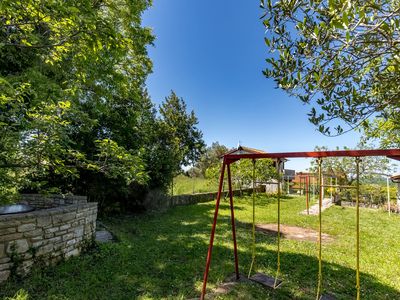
(340, 56)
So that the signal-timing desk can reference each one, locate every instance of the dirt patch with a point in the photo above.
(293, 232)
(225, 287)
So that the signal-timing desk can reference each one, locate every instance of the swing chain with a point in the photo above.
(253, 250)
(278, 268)
(358, 160)
(319, 287)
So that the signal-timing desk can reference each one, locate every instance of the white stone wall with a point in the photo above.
(47, 234)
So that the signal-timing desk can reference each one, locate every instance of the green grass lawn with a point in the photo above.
(191, 185)
(162, 256)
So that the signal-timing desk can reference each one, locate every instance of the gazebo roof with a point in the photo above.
(244, 150)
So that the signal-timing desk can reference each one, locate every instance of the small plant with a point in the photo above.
(20, 295)
(88, 245)
(32, 251)
(16, 260)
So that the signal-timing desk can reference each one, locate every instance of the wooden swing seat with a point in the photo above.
(265, 280)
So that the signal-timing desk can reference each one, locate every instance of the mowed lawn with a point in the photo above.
(192, 185)
(162, 256)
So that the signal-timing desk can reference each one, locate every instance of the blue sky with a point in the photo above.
(212, 53)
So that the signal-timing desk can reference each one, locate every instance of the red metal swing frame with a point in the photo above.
(231, 157)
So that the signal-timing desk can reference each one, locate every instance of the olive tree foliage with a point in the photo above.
(385, 131)
(344, 168)
(340, 56)
(211, 157)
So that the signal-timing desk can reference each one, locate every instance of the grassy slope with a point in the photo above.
(163, 256)
(189, 185)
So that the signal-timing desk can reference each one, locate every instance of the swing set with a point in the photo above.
(248, 153)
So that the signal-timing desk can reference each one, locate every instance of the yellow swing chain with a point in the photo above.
(319, 288)
(358, 160)
(278, 268)
(253, 250)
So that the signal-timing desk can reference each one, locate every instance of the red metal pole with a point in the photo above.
(233, 222)
(210, 247)
(307, 195)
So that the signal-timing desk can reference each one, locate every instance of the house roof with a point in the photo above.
(395, 177)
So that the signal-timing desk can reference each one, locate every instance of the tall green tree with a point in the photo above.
(179, 143)
(74, 111)
(72, 99)
(342, 57)
(211, 157)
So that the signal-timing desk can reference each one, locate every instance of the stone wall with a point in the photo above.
(58, 229)
(365, 205)
(40, 202)
(157, 200)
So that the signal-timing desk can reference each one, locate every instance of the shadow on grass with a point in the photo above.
(163, 256)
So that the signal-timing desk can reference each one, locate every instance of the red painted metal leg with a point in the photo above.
(210, 247)
(233, 222)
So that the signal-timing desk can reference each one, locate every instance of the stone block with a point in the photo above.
(28, 220)
(6, 223)
(9, 230)
(43, 221)
(48, 235)
(73, 252)
(10, 237)
(4, 275)
(39, 243)
(51, 230)
(66, 226)
(58, 233)
(78, 231)
(68, 236)
(59, 246)
(88, 228)
(2, 250)
(19, 246)
(44, 249)
(71, 242)
(55, 240)
(34, 233)
(37, 238)
(5, 266)
(26, 227)
(5, 260)
(62, 218)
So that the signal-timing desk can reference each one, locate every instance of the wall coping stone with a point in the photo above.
(48, 211)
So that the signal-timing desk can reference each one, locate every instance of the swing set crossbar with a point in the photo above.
(390, 153)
